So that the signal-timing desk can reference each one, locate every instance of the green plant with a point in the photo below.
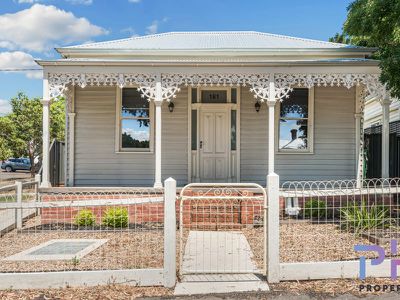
(116, 217)
(314, 208)
(75, 261)
(359, 217)
(85, 217)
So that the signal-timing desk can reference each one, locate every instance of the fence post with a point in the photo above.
(37, 179)
(169, 232)
(37, 184)
(273, 228)
(18, 211)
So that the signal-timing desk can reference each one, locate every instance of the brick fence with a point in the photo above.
(198, 213)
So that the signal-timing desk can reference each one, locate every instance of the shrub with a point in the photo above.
(116, 217)
(360, 217)
(315, 209)
(85, 217)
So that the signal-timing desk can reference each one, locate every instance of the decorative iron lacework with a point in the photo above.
(284, 83)
(58, 82)
(259, 83)
(360, 96)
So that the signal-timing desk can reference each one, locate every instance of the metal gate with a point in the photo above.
(222, 228)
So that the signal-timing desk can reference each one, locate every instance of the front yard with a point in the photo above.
(125, 248)
(307, 242)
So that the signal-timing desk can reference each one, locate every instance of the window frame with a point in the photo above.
(118, 127)
(310, 124)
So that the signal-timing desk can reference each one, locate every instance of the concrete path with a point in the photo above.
(217, 252)
(218, 262)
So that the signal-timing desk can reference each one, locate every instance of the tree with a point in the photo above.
(376, 23)
(6, 131)
(22, 128)
(340, 38)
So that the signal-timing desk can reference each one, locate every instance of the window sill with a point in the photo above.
(294, 152)
(134, 152)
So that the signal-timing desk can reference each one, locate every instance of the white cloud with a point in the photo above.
(134, 1)
(139, 135)
(5, 107)
(41, 27)
(20, 60)
(152, 28)
(28, 1)
(84, 2)
(129, 30)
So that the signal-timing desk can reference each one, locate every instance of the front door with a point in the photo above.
(214, 145)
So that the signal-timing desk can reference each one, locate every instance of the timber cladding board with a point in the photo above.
(96, 162)
(334, 140)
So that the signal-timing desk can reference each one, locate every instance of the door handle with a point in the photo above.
(201, 144)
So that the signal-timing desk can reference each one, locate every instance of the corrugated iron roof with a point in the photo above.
(212, 40)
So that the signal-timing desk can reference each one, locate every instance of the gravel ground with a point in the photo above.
(119, 292)
(125, 249)
(318, 289)
(123, 243)
(305, 242)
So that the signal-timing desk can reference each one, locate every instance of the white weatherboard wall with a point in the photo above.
(174, 147)
(334, 142)
(96, 162)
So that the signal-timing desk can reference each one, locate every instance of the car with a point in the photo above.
(14, 164)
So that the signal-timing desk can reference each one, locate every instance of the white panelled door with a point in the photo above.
(214, 145)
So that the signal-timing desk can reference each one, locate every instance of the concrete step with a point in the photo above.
(220, 283)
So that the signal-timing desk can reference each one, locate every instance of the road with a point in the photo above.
(9, 178)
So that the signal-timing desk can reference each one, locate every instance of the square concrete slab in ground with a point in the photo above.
(59, 249)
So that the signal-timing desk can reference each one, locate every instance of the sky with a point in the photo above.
(31, 29)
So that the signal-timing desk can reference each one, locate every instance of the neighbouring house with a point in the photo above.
(211, 107)
(373, 119)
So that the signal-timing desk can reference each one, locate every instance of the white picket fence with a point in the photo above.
(139, 252)
(320, 222)
(303, 240)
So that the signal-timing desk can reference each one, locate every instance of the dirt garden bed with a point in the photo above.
(316, 289)
(306, 242)
(130, 248)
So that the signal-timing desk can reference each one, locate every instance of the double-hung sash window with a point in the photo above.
(295, 122)
(134, 121)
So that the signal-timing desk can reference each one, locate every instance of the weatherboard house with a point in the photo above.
(212, 107)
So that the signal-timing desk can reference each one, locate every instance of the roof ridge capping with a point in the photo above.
(214, 33)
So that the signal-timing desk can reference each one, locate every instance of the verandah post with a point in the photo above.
(272, 239)
(385, 136)
(359, 138)
(46, 133)
(169, 232)
(158, 104)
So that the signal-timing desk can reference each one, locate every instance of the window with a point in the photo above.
(194, 95)
(134, 121)
(194, 129)
(234, 95)
(233, 130)
(295, 118)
